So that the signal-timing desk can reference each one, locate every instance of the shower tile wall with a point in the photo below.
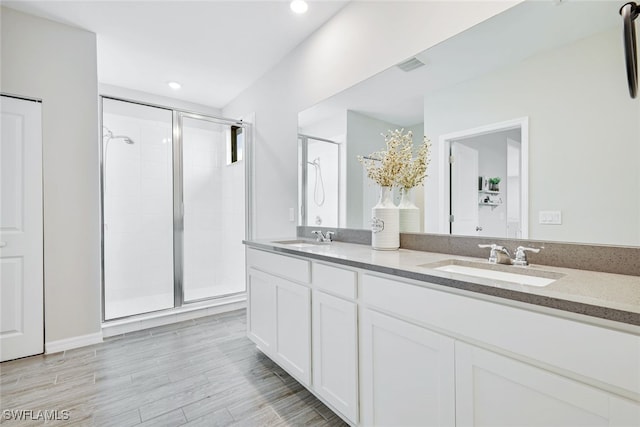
(138, 215)
(213, 194)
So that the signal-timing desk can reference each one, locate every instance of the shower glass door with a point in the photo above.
(213, 199)
(137, 191)
(173, 189)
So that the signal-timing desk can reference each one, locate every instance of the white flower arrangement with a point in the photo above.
(396, 166)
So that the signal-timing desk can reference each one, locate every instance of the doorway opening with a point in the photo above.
(487, 181)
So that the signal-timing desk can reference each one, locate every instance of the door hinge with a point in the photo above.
(450, 218)
(451, 159)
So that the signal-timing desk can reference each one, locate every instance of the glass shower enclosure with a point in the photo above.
(173, 208)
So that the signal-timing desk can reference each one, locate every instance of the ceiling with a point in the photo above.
(215, 49)
(529, 28)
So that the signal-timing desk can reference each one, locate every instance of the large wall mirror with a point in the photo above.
(535, 96)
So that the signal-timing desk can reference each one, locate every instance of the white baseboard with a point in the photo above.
(73, 342)
(188, 312)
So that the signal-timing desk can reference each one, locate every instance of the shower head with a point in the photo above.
(109, 135)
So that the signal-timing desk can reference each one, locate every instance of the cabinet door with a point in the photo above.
(335, 353)
(261, 319)
(494, 390)
(293, 329)
(407, 374)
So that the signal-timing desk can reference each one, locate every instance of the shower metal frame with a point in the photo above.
(178, 202)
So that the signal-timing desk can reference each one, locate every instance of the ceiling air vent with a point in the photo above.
(410, 64)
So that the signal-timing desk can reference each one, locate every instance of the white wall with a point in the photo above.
(364, 38)
(580, 115)
(57, 63)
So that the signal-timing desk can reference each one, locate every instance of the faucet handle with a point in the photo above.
(329, 236)
(492, 246)
(493, 255)
(525, 249)
(521, 255)
(319, 235)
(499, 254)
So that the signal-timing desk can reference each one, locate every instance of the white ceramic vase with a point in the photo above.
(409, 213)
(385, 222)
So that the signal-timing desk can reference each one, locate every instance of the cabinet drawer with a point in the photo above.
(579, 348)
(337, 281)
(279, 265)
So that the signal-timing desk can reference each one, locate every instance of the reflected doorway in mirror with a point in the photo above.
(495, 155)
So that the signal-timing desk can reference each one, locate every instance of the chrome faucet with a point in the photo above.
(322, 237)
(499, 254)
(521, 255)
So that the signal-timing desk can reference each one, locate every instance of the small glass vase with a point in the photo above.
(385, 222)
(409, 213)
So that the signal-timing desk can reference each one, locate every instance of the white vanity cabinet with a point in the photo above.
(407, 374)
(494, 390)
(279, 311)
(335, 338)
(541, 370)
(384, 350)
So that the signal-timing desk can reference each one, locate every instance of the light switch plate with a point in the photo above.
(550, 217)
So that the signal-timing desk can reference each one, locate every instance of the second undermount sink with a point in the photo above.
(300, 243)
(503, 273)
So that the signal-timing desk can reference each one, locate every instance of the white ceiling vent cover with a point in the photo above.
(410, 64)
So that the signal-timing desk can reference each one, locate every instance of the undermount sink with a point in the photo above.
(300, 243)
(503, 273)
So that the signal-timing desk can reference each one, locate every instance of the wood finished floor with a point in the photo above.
(202, 372)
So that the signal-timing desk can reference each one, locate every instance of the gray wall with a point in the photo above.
(57, 63)
(583, 137)
(361, 40)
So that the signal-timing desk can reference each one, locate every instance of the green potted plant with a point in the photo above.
(494, 184)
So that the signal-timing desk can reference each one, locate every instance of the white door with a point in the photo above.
(21, 238)
(335, 353)
(407, 374)
(464, 190)
(494, 390)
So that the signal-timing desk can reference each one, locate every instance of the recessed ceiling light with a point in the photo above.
(299, 6)
(174, 85)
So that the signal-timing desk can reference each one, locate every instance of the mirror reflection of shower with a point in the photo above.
(320, 183)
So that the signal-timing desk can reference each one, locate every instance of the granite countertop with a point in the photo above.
(614, 297)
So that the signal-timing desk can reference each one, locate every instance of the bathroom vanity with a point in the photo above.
(403, 338)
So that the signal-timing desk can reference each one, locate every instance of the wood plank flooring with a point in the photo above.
(202, 372)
